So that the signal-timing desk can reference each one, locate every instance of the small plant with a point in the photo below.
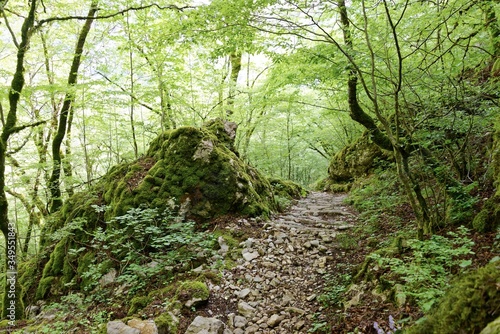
(143, 243)
(427, 270)
(332, 294)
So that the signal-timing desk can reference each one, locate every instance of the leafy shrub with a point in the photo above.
(429, 266)
(467, 307)
(145, 243)
(336, 285)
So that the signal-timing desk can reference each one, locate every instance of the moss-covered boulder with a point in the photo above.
(194, 172)
(353, 161)
(468, 306)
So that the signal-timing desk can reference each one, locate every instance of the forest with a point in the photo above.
(250, 166)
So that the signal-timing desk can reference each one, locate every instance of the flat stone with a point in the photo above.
(275, 320)
(245, 309)
(145, 326)
(118, 327)
(299, 325)
(242, 294)
(206, 326)
(250, 256)
(311, 298)
(240, 321)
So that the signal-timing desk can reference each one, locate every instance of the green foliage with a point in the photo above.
(336, 285)
(470, 303)
(138, 303)
(143, 243)
(377, 195)
(429, 266)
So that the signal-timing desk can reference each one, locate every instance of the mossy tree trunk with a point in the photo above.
(12, 304)
(387, 139)
(235, 61)
(65, 113)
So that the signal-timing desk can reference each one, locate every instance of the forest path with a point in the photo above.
(280, 273)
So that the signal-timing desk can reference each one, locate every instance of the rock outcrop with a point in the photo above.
(353, 161)
(194, 172)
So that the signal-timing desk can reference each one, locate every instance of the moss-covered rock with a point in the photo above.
(193, 171)
(287, 188)
(44, 287)
(492, 328)
(192, 293)
(467, 307)
(167, 323)
(353, 161)
(138, 303)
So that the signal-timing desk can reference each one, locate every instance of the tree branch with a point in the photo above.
(108, 16)
(8, 27)
(128, 93)
(20, 128)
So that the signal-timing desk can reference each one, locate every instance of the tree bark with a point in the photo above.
(235, 61)
(12, 304)
(54, 182)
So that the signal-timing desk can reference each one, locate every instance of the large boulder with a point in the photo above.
(194, 172)
(355, 160)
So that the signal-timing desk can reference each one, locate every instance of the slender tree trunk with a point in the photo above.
(54, 182)
(12, 304)
(235, 61)
(132, 101)
(388, 141)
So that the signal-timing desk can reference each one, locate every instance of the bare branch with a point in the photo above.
(128, 93)
(8, 27)
(108, 16)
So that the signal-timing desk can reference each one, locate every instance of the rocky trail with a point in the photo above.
(280, 271)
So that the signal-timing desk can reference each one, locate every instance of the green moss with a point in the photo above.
(287, 188)
(354, 161)
(192, 290)
(83, 266)
(44, 287)
(195, 168)
(166, 323)
(480, 222)
(467, 307)
(489, 217)
(4, 323)
(28, 274)
(57, 257)
(492, 328)
(68, 272)
(138, 303)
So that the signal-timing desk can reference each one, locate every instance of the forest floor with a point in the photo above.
(290, 276)
(295, 272)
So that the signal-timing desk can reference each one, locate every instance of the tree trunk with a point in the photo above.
(12, 304)
(54, 182)
(388, 142)
(235, 61)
